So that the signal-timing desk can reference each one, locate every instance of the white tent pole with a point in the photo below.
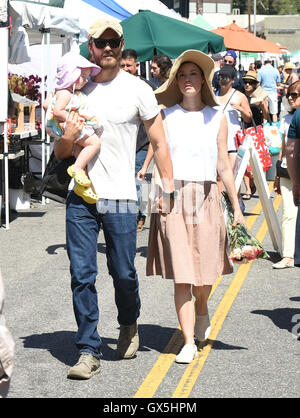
(42, 102)
(147, 70)
(48, 92)
(3, 113)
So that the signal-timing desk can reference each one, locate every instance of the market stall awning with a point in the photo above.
(152, 34)
(240, 39)
(29, 19)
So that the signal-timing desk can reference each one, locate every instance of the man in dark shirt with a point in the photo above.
(130, 64)
(229, 59)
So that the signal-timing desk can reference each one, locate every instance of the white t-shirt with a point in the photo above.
(119, 105)
(192, 139)
(284, 128)
(285, 124)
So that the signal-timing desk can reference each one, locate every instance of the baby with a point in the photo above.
(73, 71)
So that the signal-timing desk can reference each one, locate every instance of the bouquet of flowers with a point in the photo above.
(243, 246)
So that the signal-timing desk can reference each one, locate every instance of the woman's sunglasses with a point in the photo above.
(294, 95)
(101, 43)
(249, 82)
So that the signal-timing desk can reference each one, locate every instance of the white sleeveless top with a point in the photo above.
(192, 139)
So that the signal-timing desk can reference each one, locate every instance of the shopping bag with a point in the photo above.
(56, 180)
(273, 137)
(259, 141)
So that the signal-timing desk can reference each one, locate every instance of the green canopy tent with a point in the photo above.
(151, 34)
(202, 23)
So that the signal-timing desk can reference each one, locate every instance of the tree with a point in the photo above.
(269, 7)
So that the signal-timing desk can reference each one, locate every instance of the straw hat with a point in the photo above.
(251, 75)
(169, 94)
(289, 66)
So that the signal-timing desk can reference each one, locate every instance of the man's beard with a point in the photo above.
(111, 63)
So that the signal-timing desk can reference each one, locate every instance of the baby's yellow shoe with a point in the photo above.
(86, 193)
(80, 177)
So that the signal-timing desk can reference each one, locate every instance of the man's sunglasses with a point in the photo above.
(249, 82)
(101, 43)
(292, 95)
(228, 62)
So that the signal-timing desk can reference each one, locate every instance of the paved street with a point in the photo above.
(254, 313)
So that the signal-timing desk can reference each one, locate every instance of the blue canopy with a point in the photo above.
(110, 7)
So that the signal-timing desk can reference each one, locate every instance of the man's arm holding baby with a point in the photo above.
(63, 147)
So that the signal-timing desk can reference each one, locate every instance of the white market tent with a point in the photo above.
(43, 25)
(31, 24)
(88, 11)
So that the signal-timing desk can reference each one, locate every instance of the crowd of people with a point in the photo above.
(144, 119)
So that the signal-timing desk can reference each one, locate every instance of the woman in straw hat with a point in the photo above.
(189, 245)
(289, 75)
(257, 98)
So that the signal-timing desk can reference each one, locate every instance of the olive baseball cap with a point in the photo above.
(101, 25)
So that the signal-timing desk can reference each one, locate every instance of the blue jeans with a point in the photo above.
(83, 223)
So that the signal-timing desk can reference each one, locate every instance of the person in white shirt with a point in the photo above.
(283, 185)
(189, 245)
(123, 101)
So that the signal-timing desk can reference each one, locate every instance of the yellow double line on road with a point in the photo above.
(166, 359)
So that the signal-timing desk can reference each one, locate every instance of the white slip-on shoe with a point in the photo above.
(283, 265)
(187, 354)
(202, 325)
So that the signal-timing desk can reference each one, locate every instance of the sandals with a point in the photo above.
(246, 196)
(86, 193)
(80, 177)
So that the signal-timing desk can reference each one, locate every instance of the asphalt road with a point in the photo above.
(252, 353)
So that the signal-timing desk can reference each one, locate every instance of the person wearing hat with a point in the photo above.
(234, 104)
(283, 184)
(73, 71)
(229, 59)
(293, 163)
(122, 101)
(257, 99)
(289, 75)
(189, 245)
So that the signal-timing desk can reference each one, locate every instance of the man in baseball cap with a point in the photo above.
(121, 101)
(101, 25)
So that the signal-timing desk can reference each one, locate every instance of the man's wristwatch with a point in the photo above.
(171, 195)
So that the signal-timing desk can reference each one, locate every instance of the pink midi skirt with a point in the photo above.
(190, 244)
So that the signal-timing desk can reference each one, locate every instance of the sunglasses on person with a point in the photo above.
(293, 96)
(249, 82)
(224, 78)
(228, 62)
(101, 43)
